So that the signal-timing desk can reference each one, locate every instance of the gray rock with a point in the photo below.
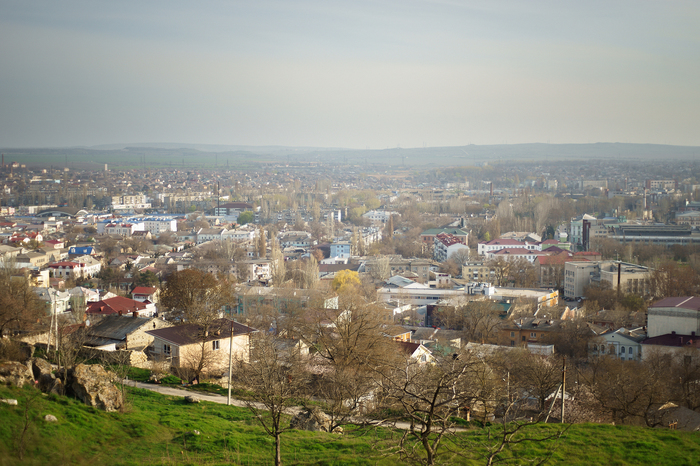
(92, 385)
(9, 401)
(50, 418)
(314, 420)
(15, 373)
(40, 367)
(46, 381)
(57, 388)
(191, 399)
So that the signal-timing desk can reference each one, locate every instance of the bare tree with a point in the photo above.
(351, 347)
(430, 396)
(538, 375)
(276, 380)
(501, 270)
(19, 305)
(628, 390)
(277, 266)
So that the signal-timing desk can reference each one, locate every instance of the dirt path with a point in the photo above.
(172, 391)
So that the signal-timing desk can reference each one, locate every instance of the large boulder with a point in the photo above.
(92, 384)
(40, 367)
(57, 388)
(15, 373)
(313, 419)
(46, 381)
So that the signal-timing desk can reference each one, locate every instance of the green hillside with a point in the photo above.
(157, 430)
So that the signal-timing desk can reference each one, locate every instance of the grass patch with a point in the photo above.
(159, 430)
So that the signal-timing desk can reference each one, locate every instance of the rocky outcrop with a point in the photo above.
(15, 373)
(93, 386)
(191, 399)
(40, 367)
(314, 420)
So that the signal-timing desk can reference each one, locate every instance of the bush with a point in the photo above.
(11, 350)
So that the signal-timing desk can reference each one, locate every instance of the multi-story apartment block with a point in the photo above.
(400, 266)
(661, 185)
(445, 245)
(632, 278)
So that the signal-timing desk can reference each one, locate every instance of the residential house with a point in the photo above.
(527, 331)
(83, 267)
(256, 269)
(415, 351)
(32, 259)
(82, 251)
(621, 343)
(185, 344)
(145, 293)
(115, 332)
(210, 234)
(122, 306)
(56, 301)
(80, 297)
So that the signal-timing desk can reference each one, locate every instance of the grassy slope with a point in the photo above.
(155, 432)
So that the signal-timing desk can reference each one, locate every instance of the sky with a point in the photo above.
(348, 74)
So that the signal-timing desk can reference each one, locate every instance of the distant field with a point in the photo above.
(84, 159)
(155, 431)
(244, 158)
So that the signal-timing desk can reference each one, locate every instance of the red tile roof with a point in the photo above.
(144, 290)
(115, 306)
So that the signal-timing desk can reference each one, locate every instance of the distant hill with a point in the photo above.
(244, 157)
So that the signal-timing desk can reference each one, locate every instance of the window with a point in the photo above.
(622, 350)
(512, 342)
(166, 349)
(512, 334)
(533, 334)
(215, 344)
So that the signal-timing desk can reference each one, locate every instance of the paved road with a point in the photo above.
(165, 390)
(171, 391)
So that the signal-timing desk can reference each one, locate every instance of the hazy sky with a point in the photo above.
(354, 74)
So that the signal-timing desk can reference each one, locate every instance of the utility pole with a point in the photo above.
(563, 389)
(230, 365)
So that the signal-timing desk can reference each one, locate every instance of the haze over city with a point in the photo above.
(348, 74)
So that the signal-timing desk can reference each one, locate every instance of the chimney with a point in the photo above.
(135, 314)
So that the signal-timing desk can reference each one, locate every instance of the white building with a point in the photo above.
(485, 247)
(341, 249)
(618, 343)
(80, 267)
(123, 229)
(381, 216)
(445, 245)
(509, 254)
(210, 234)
